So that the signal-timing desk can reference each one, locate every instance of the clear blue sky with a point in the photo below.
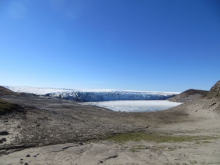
(154, 45)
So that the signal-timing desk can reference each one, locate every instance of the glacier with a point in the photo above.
(94, 95)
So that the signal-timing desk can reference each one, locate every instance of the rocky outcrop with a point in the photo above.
(214, 91)
(188, 95)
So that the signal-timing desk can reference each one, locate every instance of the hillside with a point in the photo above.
(6, 107)
(70, 133)
(215, 91)
(188, 95)
(5, 91)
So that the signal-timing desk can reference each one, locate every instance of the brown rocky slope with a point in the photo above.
(188, 95)
(215, 91)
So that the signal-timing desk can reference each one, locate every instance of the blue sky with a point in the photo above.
(152, 45)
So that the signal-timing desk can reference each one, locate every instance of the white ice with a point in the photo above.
(135, 106)
(84, 95)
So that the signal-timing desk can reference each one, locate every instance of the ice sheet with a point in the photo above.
(135, 106)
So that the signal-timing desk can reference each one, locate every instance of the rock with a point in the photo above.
(4, 133)
(3, 139)
(28, 155)
(25, 163)
(213, 104)
(36, 155)
(81, 143)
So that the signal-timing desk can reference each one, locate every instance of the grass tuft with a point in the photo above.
(6, 107)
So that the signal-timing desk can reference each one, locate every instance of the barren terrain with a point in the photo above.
(54, 131)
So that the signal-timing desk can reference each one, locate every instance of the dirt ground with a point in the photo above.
(57, 132)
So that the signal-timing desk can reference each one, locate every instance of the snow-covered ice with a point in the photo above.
(135, 106)
(117, 100)
(95, 95)
(36, 90)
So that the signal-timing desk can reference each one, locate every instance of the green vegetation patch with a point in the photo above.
(137, 148)
(6, 107)
(160, 138)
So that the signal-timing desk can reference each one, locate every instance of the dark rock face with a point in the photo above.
(215, 91)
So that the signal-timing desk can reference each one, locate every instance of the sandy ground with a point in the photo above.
(108, 153)
(72, 134)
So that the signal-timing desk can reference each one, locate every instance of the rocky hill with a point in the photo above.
(188, 95)
(5, 91)
(214, 91)
(6, 107)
